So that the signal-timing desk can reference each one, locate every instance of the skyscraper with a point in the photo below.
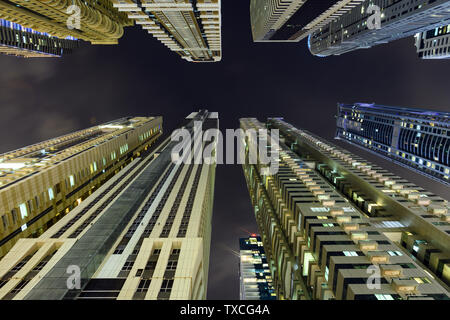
(267, 16)
(293, 20)
(25, 42)
(414, 138)
(94, 21)
(399, 19)
(254, 273)
(145, 234)
(335, 226)
(434, 43)
(41, 183)
(190, 28)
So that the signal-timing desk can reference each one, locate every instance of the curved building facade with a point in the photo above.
(414, 138)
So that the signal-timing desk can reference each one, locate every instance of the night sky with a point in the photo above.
(44, 98)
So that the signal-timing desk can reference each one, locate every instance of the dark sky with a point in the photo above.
(40, 99)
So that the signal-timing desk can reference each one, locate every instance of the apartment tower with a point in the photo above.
(94, 21)
(414, 138)
(191, 28)
(354, 28)
(145, 234)
(41, 183)
(335, 226)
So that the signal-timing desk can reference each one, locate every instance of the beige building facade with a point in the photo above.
(324, 242)
(41, 183)
(143, 235)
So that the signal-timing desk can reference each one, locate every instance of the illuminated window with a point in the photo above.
(23, 210)
(422, 280)
(308, 257)
(51, 195)
(384, 297)
(72, 181)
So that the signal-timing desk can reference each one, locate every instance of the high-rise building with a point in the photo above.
(94, 21)
(28, 43)
(434, 43)
(350, 30)
(335, 226)
(254, 273)
(293, 20)
(145, 234)
(268, 16)
(190, 28)
(41, 183)
(414, 138)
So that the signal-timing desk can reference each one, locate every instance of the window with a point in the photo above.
(384, 297)
(14, 215)
(23, 210)
(422, 280)
(350, 253)
(143, 285)
(36, 200)
(72, 181)
(5, 221)
(166, 286)
(128, 266)
(327, 271)
(395, 253)
(172, 265)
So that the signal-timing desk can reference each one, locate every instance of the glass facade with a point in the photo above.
(415, 138)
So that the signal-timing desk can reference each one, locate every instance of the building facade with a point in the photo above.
(268, 16)
(94, 21)
(294, 20)
(41, 183)
(399, 19)
(434, 43)
(254, 273)
(414, 138)
(335, 226)
(28, 43)
(190, 28)
(145, 234)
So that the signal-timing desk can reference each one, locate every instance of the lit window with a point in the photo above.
(384, 297)
(51, 195)
(395, 253)
(23, 210)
